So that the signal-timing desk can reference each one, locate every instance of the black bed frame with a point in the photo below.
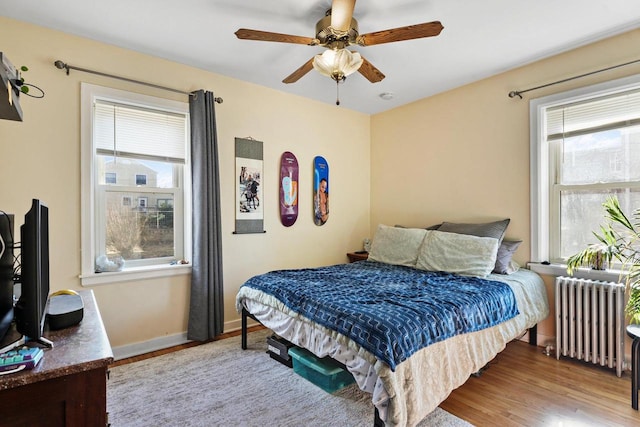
(377, 422)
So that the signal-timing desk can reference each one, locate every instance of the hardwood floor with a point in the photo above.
(524, 387)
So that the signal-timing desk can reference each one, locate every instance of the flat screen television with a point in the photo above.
(30, 310)
(6, 273)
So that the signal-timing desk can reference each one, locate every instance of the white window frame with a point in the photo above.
(89, 93)
(544, 212)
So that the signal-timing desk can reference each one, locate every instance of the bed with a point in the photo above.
(408, 329)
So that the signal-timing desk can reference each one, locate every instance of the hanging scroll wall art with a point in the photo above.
(249, 186)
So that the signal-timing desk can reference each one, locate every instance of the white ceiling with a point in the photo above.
(480, 38)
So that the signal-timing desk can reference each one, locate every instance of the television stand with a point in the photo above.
(69, 385)
(11, 343)
(43, 341)
(14, 339)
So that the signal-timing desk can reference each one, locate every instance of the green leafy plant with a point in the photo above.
(618, 239)
(20, 80)
(23, 87)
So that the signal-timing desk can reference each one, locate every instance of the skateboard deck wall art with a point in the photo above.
(320, 190)
(288, 189)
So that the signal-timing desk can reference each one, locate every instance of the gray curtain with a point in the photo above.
(206, 311)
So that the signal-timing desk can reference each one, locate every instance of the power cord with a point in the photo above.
(3, 244)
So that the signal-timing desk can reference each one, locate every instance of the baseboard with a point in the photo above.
(160, 343)
(542, 340)
(136, 349)
(545, 340)
(236, 325)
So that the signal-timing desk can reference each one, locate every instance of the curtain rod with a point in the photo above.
(519, 93)
(63, 66)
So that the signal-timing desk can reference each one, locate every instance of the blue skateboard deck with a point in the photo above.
(320, 190)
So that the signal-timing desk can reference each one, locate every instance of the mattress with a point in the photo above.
(417, 385)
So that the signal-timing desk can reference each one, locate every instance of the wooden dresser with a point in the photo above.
(69, 385)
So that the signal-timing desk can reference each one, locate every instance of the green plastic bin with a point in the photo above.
(324, 372)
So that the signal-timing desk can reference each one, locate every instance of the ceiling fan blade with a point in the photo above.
(300, 72)
(266, 36)
(370, 72)
(341, 14)
(410, 32)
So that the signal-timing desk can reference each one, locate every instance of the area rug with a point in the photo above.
(218, 384)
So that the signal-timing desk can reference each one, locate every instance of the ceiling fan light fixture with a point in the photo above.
(337, 63)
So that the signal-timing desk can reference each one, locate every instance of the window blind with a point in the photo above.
(129, 131)
(593, 115)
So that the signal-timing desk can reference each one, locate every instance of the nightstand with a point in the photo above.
(357, 256)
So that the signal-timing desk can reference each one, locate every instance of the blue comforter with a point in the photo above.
(391, 311)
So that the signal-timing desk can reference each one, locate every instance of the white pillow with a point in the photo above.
(395, 245)
(458, 253)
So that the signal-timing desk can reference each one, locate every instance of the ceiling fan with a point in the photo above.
(337, 31)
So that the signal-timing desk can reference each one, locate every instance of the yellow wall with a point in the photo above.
(40, 158)
(463, 155)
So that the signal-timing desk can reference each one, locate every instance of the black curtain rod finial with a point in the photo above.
(217, 99)
(515, 93)
(61, 66)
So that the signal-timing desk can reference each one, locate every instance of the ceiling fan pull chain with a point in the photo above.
(337, 92)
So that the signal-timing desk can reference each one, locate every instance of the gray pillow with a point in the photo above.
(494, 229)
(505, 253)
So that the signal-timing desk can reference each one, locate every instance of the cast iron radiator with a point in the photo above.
(590, 321)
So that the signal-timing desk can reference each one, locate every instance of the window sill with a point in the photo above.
(132, 274)
(581, 273)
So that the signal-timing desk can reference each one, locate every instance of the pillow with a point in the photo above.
(503, 259)
(431, 227)
(395, 245)
(458, 253)
(494, 229)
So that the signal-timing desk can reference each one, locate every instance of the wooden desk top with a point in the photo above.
(75, 349)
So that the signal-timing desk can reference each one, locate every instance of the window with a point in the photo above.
(585, 147)
(143, 141)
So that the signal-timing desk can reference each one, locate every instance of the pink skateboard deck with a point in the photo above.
(288, 189)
